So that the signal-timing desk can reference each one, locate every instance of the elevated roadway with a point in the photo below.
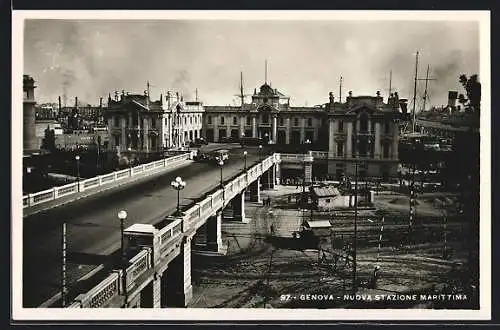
(93, 230)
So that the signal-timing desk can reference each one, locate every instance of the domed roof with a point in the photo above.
(266, 89)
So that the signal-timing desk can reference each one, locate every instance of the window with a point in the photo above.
(340, 148)
(385, 149)
(265, 119)
(248, 120)
(209, 120)
(309, 122)
(191, 120)
(363, 122)
(235, 121)
(117, 140)
(327, 200)
(387, 127)
(153, 122)
(222, 120)
(296, 122)
(341, 126)
(281, 121)
(185, 120)
(116, 121)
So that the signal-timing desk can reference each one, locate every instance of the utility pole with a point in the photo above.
(415, 92)
(63, 268)
(354, 251)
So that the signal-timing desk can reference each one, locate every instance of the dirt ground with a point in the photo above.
(272, 270)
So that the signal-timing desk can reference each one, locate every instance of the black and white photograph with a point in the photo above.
(239, 165)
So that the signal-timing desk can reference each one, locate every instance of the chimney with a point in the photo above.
(59, 99)
(100, 102)
(452, 98)
(76, 102)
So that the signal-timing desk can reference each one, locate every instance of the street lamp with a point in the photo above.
(77, 158)
(245, 155)
(260, 152)
(122, 215)
(178, 185)
(221, 163)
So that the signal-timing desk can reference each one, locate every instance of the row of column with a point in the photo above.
(333, 129)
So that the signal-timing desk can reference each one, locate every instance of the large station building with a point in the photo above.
(362, 130)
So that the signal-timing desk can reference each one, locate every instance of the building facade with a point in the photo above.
(138, 124)
(361, 132)
(182, 121)
(135, 123)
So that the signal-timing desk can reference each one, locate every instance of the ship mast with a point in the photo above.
(390, 82)
(415, 93)
(340, 90)
(427, 79)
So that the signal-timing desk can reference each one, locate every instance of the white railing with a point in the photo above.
(102, 180)
(191, 220)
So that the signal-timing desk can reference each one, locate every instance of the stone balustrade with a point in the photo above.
(72, 188)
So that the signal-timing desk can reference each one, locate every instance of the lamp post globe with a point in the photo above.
(178, 184)
(245, 153)
(122, 215)
(77, 158)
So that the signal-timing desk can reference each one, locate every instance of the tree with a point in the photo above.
(49, 141)
(473, 90)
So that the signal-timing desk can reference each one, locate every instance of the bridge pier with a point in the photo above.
(152, 295)
(238, 204)
(214, 232)
(179, 290)
(255, 191)
(266, 180)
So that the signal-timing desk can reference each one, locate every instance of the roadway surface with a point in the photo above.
(93, 229)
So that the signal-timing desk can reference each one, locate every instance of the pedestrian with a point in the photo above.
(335, 260)
(272, 229)
(375, 277)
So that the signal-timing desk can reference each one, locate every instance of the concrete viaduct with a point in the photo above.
(158, 269)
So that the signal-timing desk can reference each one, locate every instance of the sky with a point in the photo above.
(91, 58)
